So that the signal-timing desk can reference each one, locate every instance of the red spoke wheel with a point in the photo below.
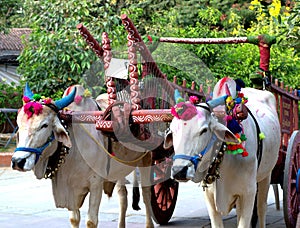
(291, 182)
(164, 192)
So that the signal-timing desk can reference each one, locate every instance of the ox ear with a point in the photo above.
(168, 142)
(223, 133)
(61, 134)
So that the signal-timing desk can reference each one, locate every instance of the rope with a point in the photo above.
(108, 153)
(259, 141)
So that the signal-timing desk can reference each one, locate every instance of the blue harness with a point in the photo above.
(38, 151)
(196, 158)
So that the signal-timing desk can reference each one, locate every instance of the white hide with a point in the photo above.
(86, 166)
(239, 175)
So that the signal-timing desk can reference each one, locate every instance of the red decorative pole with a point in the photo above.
(228, 40)
(90, 40)
(107, 55)
(134, 36)
(263, 42)
(133, 74)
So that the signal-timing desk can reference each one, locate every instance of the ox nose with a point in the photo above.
(18, 164)
(180, 173)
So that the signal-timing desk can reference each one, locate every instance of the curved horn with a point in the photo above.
(178, 98)
(217, 101)
(65, 101)
(27, 91)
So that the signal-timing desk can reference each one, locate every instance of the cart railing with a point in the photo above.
(287, 101)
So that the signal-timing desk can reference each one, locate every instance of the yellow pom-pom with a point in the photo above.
(87, 93)
(262, 136)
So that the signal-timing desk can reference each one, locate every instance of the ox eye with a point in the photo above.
(44, 126)
(203, 131)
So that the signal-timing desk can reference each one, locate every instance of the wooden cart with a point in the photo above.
(155, 111)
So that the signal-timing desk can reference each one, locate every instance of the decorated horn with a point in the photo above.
(27, 91)
(178, 98)
(227, 90)
(65, 101)
(217, 101)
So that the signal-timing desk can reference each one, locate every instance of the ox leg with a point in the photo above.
(94, 203)
(214, 215)
(123, 203)
(262, 197)
(74, 217)
(244, 209)
(146, 191)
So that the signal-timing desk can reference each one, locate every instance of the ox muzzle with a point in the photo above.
(25, 158)
(185, 171)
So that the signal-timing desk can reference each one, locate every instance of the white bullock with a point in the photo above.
(86, 167)
(198, 138)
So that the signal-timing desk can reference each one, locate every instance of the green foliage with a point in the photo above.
(11, 15)
(10, 97)
(56, 56)
(291, 29)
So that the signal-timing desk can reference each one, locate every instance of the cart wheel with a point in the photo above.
(164, 192)
(291, 181)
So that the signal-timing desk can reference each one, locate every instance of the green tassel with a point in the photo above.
(36, 97)
(262, 136)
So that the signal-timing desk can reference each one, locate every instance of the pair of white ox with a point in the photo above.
(87, 166)
(241, 178)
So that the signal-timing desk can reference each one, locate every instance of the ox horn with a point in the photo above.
(178, 98)
(217, 101)
(27, 91)
(227, 90)
(65, 101)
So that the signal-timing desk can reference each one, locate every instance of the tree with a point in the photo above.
(56, 56)
(11, 15)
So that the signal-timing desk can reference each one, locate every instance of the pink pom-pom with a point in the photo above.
(228, 118)
(38, 108)
(194, 99)
(78, 99)
(47, 101)
(173, 112)
(26, 99)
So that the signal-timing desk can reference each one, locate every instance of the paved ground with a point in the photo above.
(27, 202)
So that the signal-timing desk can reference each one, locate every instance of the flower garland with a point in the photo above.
(234, 125)
(34, 106)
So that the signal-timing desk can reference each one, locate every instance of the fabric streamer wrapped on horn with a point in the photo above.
(217, 101)
(27, 92)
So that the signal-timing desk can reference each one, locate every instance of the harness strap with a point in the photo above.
(38, 151)
(196, 158)
(259, 141)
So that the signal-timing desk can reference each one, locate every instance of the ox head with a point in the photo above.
(39, 131)
(194, 132)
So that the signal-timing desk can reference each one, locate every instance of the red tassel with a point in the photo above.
(245, 153)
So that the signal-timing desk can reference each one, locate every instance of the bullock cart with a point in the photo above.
(150, 114)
